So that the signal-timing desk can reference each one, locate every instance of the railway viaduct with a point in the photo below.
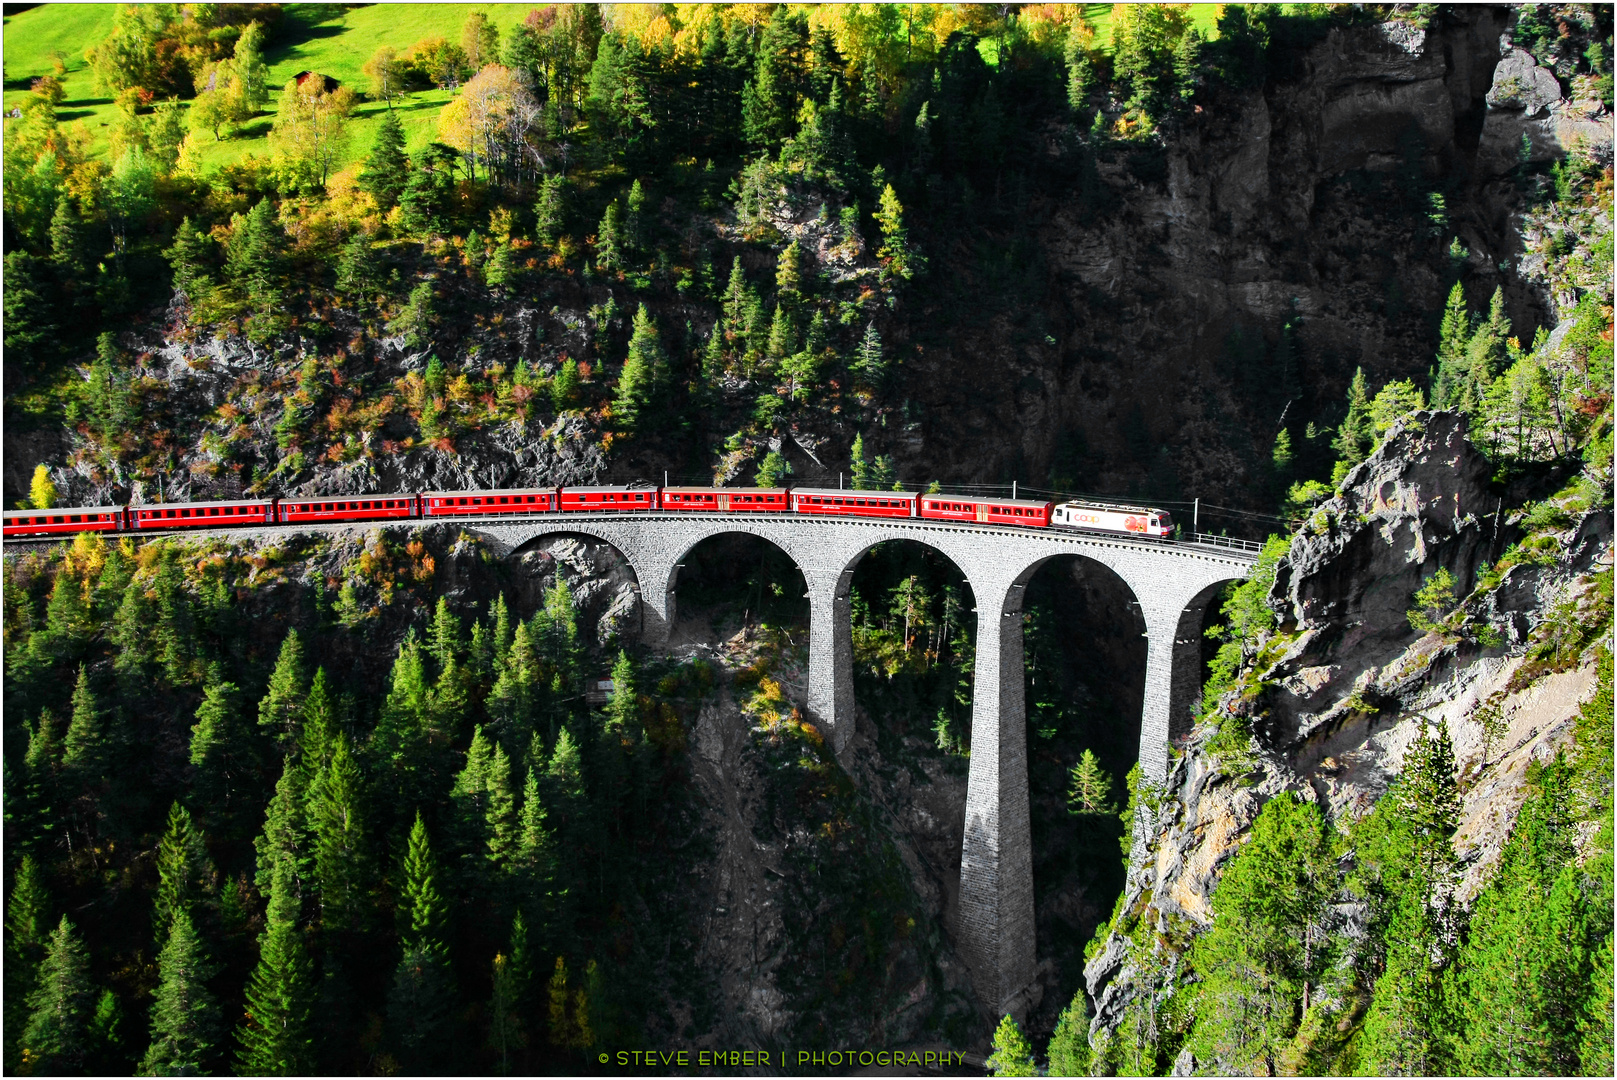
(1171, 583)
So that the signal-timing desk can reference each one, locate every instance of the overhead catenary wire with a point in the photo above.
(1020, 490)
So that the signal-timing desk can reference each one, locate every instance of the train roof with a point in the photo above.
(729, 490)
(857, 493)
(221, 502)
(984, 499)
(10, 514)
(478, 491)
(611, 487)
(1118, 507)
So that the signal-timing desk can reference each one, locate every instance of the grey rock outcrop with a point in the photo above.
(1354, 682)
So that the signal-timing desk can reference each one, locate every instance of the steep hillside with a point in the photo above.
(1107, 292)
(1513, 650)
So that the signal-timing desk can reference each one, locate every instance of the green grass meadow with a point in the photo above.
(328, 38)
(335, 40)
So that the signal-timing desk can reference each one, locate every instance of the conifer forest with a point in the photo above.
(1335, 280)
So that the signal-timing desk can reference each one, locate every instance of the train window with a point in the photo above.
(56, 521)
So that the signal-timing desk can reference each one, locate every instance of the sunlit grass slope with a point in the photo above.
(314, 37)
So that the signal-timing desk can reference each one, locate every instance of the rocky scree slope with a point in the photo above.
(1339, 691)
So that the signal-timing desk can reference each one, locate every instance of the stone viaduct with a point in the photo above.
(1171, 584)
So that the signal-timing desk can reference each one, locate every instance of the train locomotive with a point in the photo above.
(1134, 521)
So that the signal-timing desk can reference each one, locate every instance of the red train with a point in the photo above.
(819, 502)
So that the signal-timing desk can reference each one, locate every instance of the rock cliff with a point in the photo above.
(1340, 689)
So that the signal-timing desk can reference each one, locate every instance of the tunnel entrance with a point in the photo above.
(914, 633)
(1085, 655)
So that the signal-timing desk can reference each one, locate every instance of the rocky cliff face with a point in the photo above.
(1152, 357)
(1345, 682)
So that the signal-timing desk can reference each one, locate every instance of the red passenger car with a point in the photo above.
(1023, 512)
(593, 499)
(831, 502)
(212, 515)
(65, 519)
(348, 508)
(467, 503)
(725, 500)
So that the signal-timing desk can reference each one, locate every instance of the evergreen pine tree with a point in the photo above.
(87, 749)
(859, 475)
(505, 1028)
(610, 246)
(320, 722)
(222, 748)
(188, 257)
(276, 1038)
(336, 820)
(1521, 981)
(360, 271)
(501, 828)
(1080, 73)
(1012, 1054)
(67, 620)
(185, 1016)
(402, 742)
(184, 871)
(422, 905)
(868, 365)
(387, 170)
(1487, 354)
(29, 322)
(69, 259)
(422, 994)
(174, 635)
(27, 934)
(1448, 382)
(623, 710)
(285, 838)
(56, 1038)
(536, 851)
(502, 629)
(1595, 1025)
(130, 635)
(550, 212)
(782, 335)
(254, 255)
(469, 797)
(280, 712)
(108, 1053)
(1068, 1051)
(1404, 867)
(1091, 787)
(645, 372)
(1355, 436)
(444, 636)
(427, 198)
